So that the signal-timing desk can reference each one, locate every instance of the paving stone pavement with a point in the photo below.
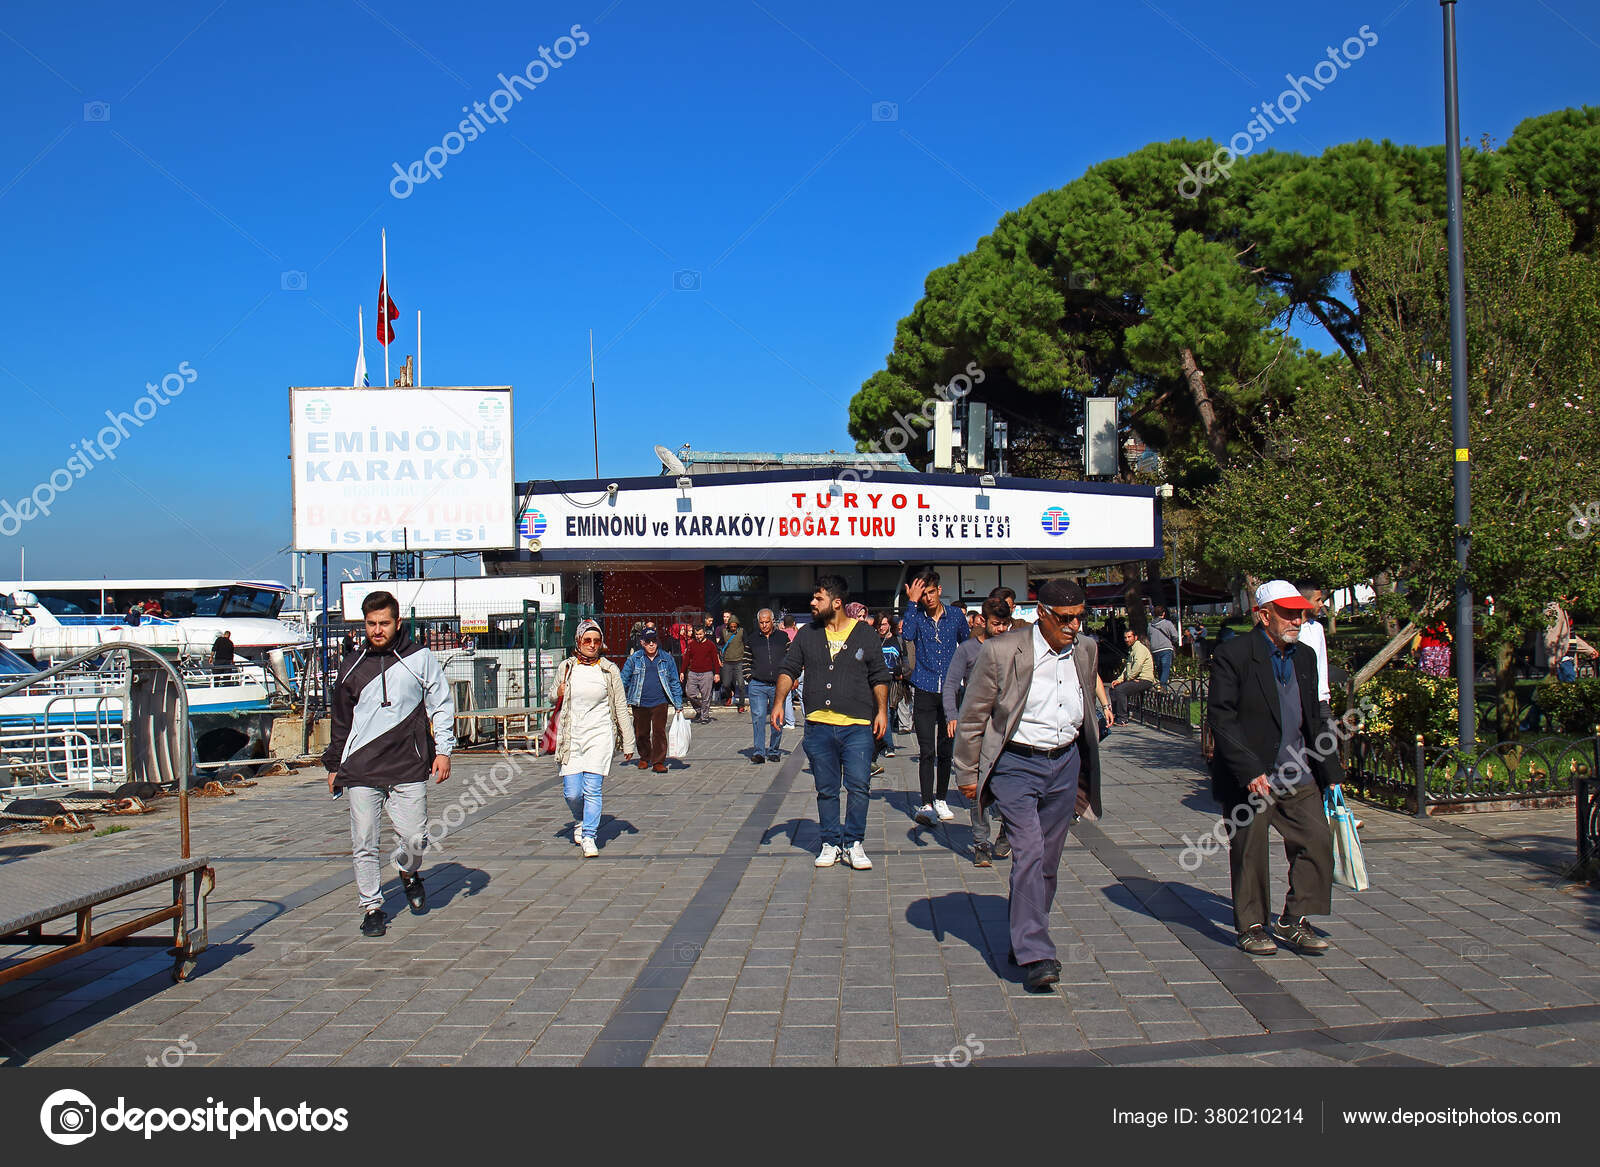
(703, 935)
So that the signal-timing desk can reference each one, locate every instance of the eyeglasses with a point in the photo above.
(1063, 618)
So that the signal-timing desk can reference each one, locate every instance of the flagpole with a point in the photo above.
(383, 309)
(594, 408)
(417, 372)
(361, 350)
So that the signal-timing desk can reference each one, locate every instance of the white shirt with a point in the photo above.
(1313, 636)
(1053, 712)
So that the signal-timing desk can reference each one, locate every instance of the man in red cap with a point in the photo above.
(1275, 754)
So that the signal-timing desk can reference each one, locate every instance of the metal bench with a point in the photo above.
(72, 881)
(43, 888)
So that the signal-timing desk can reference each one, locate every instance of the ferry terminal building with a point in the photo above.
(745, 531)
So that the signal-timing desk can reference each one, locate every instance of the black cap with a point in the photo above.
(647, 634)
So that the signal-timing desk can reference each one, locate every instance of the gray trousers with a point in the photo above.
(1308, 844)
(407, 804)
(980, 822)
(698, 690)
(1037, 798)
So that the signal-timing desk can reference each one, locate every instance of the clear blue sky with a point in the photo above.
(732, 139)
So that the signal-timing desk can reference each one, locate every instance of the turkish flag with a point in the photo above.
(387, 313)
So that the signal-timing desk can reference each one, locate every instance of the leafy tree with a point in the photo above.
(1355, 482)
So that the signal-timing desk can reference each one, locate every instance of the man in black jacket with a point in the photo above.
(1274, 756)
(847, 706)
(766, 651)
(393, 726)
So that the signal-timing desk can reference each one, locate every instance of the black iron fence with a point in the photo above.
(1179, 708)
(1416, 776)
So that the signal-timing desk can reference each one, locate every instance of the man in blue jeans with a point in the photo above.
(847, 706)
(766, 650)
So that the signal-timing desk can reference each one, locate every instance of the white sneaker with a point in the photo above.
(924, 815)
(856, 856)
(828, 856)
(944, 812)
(577, 834)
(589, 849)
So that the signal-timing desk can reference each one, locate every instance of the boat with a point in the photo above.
(54, 619)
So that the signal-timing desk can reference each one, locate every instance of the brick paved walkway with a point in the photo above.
(703, 935)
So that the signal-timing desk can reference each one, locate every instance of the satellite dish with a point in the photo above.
(671, 461)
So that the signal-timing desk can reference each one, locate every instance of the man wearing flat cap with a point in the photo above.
(1275, 753)
(1026, 740)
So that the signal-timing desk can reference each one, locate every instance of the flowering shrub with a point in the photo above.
(1406, 703)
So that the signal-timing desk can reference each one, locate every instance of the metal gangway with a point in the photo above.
(157, 747)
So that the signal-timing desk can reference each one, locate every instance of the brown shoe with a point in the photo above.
(643, 763)
(661, 767)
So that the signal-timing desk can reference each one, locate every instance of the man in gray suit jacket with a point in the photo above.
(1026, 740)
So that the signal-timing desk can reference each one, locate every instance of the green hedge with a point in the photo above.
(1572, 708)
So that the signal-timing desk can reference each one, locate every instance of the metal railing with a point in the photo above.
(1172, 709)
(1417, 776)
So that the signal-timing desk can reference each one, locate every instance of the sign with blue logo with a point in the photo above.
(1055, 521)
(533, 523)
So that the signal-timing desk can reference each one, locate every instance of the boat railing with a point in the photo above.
(61, 758)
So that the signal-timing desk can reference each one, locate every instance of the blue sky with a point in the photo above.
(734, 140)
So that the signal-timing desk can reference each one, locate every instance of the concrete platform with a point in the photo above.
(703, 935)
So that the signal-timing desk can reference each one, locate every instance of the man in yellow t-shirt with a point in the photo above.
(846, 695)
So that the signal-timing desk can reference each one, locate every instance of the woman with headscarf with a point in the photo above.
(594, 720)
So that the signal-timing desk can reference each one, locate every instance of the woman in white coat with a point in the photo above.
(594, 720)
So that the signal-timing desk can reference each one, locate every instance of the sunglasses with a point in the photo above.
(1063, 618)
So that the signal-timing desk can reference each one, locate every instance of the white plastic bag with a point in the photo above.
(678, 736)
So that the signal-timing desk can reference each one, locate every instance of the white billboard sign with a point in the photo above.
(883, 516)
(402, 469)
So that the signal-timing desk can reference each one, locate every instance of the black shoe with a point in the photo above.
(757, 760)
(1297, 934)
(1256, 942)
(1040, 975)
(374, 923)
(1002, 846)
(982, 856)
(774, 756)
(415, 895)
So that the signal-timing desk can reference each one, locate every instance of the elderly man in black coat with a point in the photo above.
(1274, 756)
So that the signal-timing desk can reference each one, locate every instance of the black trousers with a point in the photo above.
(1308, 845)
(935, 747)
(1125, 692)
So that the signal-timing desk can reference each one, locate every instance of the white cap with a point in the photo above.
(1280, 591)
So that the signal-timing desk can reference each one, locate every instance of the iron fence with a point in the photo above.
(1417, 776)
(1172, 709)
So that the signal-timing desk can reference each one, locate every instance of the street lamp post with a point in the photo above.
(1465, 672)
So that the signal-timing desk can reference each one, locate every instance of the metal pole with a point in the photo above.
(1466, 714)
(324, 700)
(594, 407)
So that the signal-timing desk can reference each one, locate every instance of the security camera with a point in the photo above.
(611, 490)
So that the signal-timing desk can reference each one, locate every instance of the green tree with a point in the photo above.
(1355, 482)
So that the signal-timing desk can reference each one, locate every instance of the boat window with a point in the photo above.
(74, 603)
(260, 602)
(181, 602)
(12, 665)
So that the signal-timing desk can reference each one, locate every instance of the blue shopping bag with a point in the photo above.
(1349, 864)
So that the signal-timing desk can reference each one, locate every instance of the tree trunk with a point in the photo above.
(1382, 585)
(1216, 440)
(1133, 595)
(1384, 656)
(1505, 692)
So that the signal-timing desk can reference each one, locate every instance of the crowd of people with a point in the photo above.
(1009, 712)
